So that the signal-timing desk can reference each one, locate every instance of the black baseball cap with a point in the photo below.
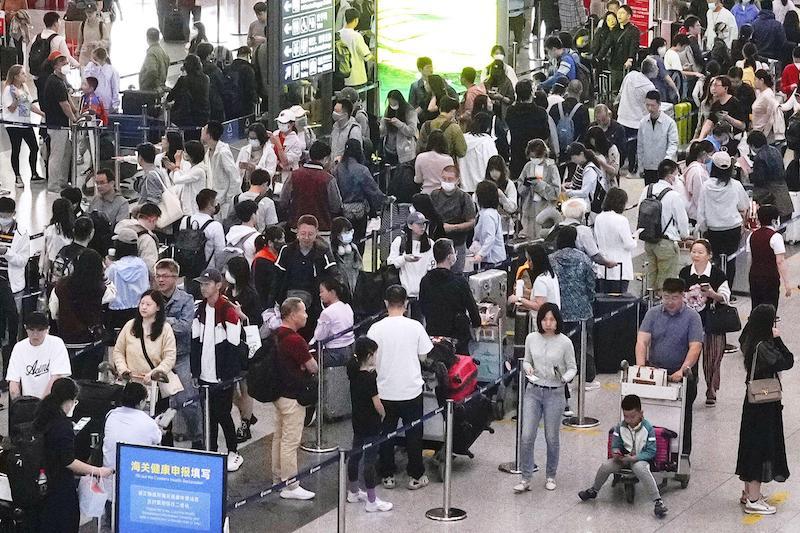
(209, 275)
(36, 321)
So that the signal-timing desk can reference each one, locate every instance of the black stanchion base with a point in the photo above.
(509, 468)
(440, 514)
(585, 423)
(321, 447)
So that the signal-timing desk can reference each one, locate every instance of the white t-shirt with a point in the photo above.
(672, 60)
(400, 341)
(132, 426)
(547, 286)
(775, 242)
(208, 358)
(33, 366)
(22, 113)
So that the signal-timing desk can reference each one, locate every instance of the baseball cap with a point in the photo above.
(416, 218)
(348, 93)
(721, 160)
(55, 54)
(36, 321)
(286, 116)
(211, 275)
(126, 236)
(298, 111)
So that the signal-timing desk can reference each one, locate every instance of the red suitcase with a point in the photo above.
(662, 462)
(462, 378)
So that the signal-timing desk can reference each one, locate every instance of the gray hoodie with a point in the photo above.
(721, 205)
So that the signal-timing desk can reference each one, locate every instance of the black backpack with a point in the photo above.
(22, 456)
(103, 233)
(64, 263)
(550, 241)
(40, 49)
(190, 247)
(231, 96)
(650, 216)
(263, 382)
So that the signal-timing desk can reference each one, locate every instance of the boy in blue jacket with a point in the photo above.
(633, 446)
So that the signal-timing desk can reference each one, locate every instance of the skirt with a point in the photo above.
(762, 447)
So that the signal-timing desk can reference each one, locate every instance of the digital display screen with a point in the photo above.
(444, 30)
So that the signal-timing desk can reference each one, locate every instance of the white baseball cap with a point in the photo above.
(286, 116)
(298, 111)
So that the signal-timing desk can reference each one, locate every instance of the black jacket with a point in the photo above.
(447, 304)
(526, 121)
(247, 86)
(624, 46)
(190, 98)
(294, 271)
(216, 89)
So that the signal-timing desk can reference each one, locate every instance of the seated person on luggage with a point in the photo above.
(36, 362)
(671, 337)
(633, 446)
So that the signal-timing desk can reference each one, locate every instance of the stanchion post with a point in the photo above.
(375, 234)
(651, 297)
(516, 466)
(219, 18)
(445, 513)
(238, 19)
(342, 503)
(74, 166)
(581, 421)
(116, 153)
(723, 264)
(319, 446)
(207, 417)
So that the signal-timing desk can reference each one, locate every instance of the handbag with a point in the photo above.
(252, 335)
(174, 385)
(766, 390)
(722, 318)
(170, 205)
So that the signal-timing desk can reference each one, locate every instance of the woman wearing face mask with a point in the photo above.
(336, 317)
(245, 299)
(499, 54)
(59, 511)
(288, 148)
(93, 34)
(497, 173)
(257, 153)
(304, 132)
(360, 193)
(663, 82)
(345, 251)
(268, 245)
(499, 89)
(17, 107)
(540, 185)
(191, 176)
(398, 130)
(745, 12)
(480, 148)
(412, 254)
(698, 161)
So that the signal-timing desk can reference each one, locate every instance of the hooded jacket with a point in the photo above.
(721, 204)
(768, 35)
(447, 304)
(131, 277)
(244, 237)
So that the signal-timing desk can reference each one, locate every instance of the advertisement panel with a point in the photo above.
(642, 18)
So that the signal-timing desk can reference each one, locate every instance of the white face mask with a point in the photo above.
(712, 5)
(347, 237)
(6, 221)
(283, 128)
(229, 278)
(499, 57)
(65, 70)
(448, 186)
(254, 144)
(662, 51)
(745, 2)
(394, 107)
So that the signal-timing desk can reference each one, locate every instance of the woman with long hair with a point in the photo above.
(765, 106)
(762, 445)
(398, 129)
(59, 511)
(437, 88)
(542, 286)
(107, 77)
(498, 173)
(268, 246)
(336, 317)
(130, 275)
(57, 234)
(480, 148)
(198, 36)
(488, 245)
(17, 107)
(604, 38)
(499, 89)
(695, 175)
(540, 186)
(345, 251)
(190, 175)
(412, 255)
(663, 81)
(608, 156)
(430, 163)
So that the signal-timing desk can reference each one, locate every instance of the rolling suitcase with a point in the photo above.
(337, 394)
(490, 286)
(683, 118)
(133, 100)
(471, 419)
(95, 401)
(615, 337)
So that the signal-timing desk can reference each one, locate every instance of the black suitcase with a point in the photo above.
(133, 100)
(21, 413)
(176, 25)
(8, 57)
(95, 400)
(615, 337)
(471, 419)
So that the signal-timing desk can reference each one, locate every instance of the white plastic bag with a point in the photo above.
(252, 336)
(92, 496)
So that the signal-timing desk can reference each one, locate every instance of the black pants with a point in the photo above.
(369, 458)
(764, 292)
(632, 135)
(650, 176)
(16, 136)
(60, 510)
(220, 405)
(20, 54)
(359, 232)
(725, 242)
(591, 370)
(516, 25)
(407, 411)
(691, 394)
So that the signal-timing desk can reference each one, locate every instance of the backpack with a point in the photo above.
(231, 251)
(231, 94)
(427, 129)
(40, 49)
(103, 233)
(550, 241)
(599, 194)
(344, 63)
(566, 126)
(263, 382)
(64, 263)
(583, 74)
(232, 220)
(190, 248)
(22, 457)
(650, 216)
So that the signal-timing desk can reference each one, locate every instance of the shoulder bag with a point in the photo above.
(170, 205)
(174, 385)
(765, 390)
(722, 318)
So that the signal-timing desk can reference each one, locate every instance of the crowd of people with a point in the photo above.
(165, 284)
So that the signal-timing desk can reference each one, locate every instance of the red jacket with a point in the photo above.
(789, 79)
(311, 191)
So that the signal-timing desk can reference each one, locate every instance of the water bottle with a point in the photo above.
(41, 482)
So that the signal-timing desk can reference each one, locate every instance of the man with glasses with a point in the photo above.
(36, 362)
(671, 337)
(725, 109)
(108, 200)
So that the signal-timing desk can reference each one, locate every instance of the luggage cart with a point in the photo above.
(664, 407)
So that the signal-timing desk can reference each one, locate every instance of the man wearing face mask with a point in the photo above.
(566, 63)
(718, 13)
(59, 113)
(657, 138)
(457, 212)
(359, 114)
(623, 51)
(36, 362)
(345, 127)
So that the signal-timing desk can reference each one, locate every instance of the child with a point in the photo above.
(367, 414)
(90, 107)
(633, 446)
(345, 251)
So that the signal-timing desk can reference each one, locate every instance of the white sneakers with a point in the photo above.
(592, 385)
(378, 506)
(550, 484)
(522, 486)
(759, 506)
(235, 461)
(355, 497)
(297, 493)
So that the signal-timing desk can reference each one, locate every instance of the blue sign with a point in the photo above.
(169, 489)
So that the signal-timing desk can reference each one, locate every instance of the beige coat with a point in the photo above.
(128, 355)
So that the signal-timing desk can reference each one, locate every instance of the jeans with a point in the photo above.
(725, 242)
(407, 411)
(337, 356)
(541, 402)
(289, 419)
(60, 160)
(369, 458)
(16, 136)
(591, 370)
(640, 468)
(220, 404)
(665, 262)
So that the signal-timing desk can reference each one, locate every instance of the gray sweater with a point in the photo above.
(546, 353)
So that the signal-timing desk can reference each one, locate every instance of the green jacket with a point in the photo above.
(153, 74)
(454, 137)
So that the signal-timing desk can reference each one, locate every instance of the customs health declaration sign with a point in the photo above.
(161, 490)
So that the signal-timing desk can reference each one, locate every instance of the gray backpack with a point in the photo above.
(231, 251)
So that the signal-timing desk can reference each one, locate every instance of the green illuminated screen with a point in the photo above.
(453, 33)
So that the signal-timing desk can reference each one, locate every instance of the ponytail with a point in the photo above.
(49, 409)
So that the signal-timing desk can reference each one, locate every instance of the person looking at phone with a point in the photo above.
(412, 254)
(726, 108)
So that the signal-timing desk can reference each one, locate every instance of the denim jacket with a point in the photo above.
(575, 275)
(180, 313)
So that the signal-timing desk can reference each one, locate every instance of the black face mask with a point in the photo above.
(216, 209)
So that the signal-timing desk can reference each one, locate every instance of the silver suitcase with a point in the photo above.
(490, 286)
(337, 394)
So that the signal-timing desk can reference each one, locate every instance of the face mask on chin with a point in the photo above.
(229, 278)
(4, 221)
(254, 144)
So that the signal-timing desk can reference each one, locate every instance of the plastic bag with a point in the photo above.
(253, 338)
(92, 496)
